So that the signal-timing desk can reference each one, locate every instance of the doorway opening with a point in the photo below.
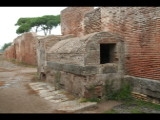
(107, 53)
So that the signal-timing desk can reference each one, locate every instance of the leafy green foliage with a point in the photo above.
(45, 23)
(23, 28)
(6, 45)
(141, 103)
(22, 21)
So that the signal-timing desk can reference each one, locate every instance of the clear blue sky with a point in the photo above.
(10, 15)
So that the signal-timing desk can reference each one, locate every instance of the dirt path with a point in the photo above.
(17, 97)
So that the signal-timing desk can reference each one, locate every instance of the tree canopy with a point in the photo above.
(45, 23)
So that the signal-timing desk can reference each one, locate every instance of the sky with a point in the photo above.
(10, 15)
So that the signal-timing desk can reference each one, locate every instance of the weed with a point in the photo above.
(124, 93)
(57, 80)
(141, 103)
(94, 99)
(136, 110)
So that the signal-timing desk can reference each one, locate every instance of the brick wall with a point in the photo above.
(72, 19)
(23, 49)
(140, 27)
(10, 52)
(92, 21)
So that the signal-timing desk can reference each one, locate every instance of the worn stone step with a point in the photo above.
(65, 104)
(37, 87)
(56, 101)
(49, 97)
(37, 84)
(75, 106)
(51, 88)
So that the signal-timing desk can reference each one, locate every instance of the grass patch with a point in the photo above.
(136, 110)
(111, 111)
(141, 103)
(136, 106)
(123, 94)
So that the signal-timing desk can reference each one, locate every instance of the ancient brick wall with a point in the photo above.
(23, 49)
(143, 41)
(72, 20)
(140, 27)
(10, 53)
(92, 21)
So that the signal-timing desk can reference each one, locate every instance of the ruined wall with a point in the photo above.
(74, 64)
(145, 86)
(43, 45)
(23, 49)
(140, 27)
(78, 85)
(9, 52)
(92, 21)
(1, 55)
(72, 20)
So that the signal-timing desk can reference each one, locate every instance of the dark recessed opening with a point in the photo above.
(107, 53)
(43, 76)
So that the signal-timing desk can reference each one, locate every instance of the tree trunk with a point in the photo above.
(45, 33)
(49, 31)
(36, 29)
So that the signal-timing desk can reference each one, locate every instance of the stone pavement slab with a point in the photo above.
(75, 105)
(65, 104)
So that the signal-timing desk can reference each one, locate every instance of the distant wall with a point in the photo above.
(10, 52)
(23, 49)
(1, 55)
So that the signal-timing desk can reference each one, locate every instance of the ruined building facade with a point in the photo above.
(23, 49)
(106, 45)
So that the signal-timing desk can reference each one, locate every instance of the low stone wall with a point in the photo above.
(82, 81)
(43, 46)
(148, 87)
